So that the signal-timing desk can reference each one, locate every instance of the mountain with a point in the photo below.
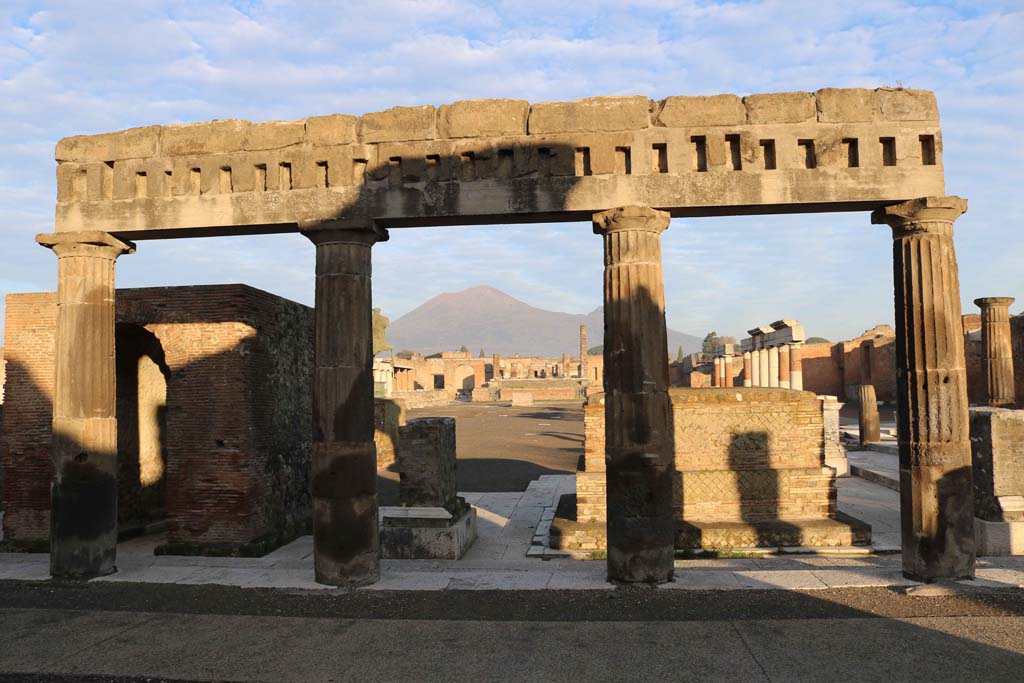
(486, 318)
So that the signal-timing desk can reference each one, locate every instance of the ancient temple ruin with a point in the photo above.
(627, 164)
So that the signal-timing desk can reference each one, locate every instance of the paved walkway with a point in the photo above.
(510, 554)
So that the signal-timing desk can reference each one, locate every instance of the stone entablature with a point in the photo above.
(482, 160)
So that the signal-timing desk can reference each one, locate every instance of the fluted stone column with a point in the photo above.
(727, 371)
(762, 359)
(773, 367)
(346, 544)
(748, 380)
(998, 359)
(796, 367)
(869, 422)
(83, 492)
(936, 496)
(784, 366)
(638, 412)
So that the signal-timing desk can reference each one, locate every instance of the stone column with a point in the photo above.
(755, 367)
(584, 370)
(563, 370)
(716, 375)
(784, 366)
(998, 359)
(83, 492)
(773, 367)
(727, 371)
(762, 359)
(869, 422)
(796, 372)
(346, 544)
(496, 366)
(748, 380)
(638, 412)
(936, 496)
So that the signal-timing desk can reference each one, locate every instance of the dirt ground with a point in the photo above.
(501, 448)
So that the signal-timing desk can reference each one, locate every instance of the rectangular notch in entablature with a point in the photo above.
(768, 154)
(582, 162)
(623, 162)
(888, 151)
(506, 163)
(323, 175)
(927, 149)
(734, 151)
(810, 155)
(852, 152)
(700, 156)
(659, 157)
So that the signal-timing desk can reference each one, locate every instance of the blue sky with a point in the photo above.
(72, 67)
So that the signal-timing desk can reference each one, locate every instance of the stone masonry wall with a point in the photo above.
(237, 413)
(997, 450)
(591, 489)
(426, 463)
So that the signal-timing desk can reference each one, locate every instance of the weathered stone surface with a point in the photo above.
(397, 124)
(701, 110)
(426, 463)
(868, 419)
(593, 114)
(482, 118)
(997, 450)
(903, 104)
(134, 143)
(274, 135)
(210, 137)
(426, 533)
(782, 107)
(334, 129)
(936, 493)
(845, 105)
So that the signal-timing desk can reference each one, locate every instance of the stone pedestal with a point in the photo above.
(868, 420)
(998, 358)
(346, 549)
(997, 449)
(748, 380)
(637, 406)
(83, 493)
(936, 489)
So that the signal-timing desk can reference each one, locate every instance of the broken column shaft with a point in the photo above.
(936, 497)
(638, 412)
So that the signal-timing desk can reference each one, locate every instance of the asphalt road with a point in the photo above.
(126, 632)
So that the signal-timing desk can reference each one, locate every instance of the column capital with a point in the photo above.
(923, 215)
(994, 302)
(94, 243)
(345, 232)
(631, 218)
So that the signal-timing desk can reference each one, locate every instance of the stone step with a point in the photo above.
(885, 478)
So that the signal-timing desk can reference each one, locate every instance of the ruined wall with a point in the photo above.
(750, 454)
(423, 399)
(591, 488)
(237, 436)
(388, 417)
(822, 366)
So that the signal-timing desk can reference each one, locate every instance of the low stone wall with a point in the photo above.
(749, 471)
(424, 398)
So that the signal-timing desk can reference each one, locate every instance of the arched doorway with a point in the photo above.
(465, 380)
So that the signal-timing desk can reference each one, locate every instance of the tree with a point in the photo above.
(680, 355)
(818, 340)
(711, 340)
(595, 350)
(482, 353)
(463, 349)
(405, 354)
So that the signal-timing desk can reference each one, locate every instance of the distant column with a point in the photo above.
(936, 478)
(869, 421)
(773, 367)
(727, 370)
(762, 359)
(496, 366)
(346, 544)
(83, 492)
(998, 359)
(584, 370)
(566, 362)
(796, 367)
(784, 366)
(638, 412)
(716, 375)
(748, 380)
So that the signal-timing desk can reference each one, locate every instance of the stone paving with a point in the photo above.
(509, 555)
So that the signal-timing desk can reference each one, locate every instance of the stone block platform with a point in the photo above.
(426, 533)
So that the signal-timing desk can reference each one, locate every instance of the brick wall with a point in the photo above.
(591, 490)
(237, 436)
